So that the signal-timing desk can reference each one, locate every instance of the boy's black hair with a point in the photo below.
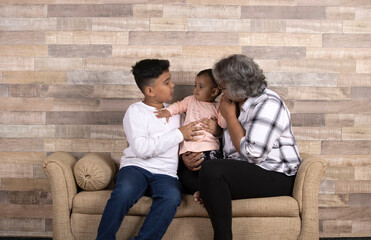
(147, 70)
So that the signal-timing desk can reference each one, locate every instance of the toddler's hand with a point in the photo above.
(191, 131)
(163, 113)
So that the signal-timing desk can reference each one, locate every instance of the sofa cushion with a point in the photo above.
(88, 202)
(94, 171)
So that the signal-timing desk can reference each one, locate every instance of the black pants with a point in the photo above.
(224, 180)
(188, 178)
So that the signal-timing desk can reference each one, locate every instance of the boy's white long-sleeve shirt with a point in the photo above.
(153, 143)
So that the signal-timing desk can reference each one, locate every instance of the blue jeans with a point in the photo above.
(131, 184)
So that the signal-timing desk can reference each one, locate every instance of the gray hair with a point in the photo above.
(242, 77)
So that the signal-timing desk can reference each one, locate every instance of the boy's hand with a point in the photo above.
(191, 131)
(211, 126)
(163, 113)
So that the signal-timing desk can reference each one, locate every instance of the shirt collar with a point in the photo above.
(251, 100)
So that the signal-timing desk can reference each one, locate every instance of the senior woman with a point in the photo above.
(261, 156)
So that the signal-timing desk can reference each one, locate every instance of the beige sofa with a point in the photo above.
(77, 212)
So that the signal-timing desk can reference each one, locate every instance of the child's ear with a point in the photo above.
(215, 92)
(149, 91)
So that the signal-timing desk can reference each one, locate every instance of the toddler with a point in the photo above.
(149, 164)
(200, 105)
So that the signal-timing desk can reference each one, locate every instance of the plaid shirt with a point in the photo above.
(269, 141)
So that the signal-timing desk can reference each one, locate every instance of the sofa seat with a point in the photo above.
(191, 220)
(77, 211)
(93, 202)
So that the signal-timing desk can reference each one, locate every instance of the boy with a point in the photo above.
(149, 164)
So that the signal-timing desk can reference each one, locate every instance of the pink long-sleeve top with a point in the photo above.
(196, 110)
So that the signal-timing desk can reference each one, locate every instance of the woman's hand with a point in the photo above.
(227, 108)
(192, 160)
(211, 126)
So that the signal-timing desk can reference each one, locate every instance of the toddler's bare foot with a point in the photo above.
(198, 200)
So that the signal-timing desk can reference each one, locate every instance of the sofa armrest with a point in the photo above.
(59, 169)
(306, 188)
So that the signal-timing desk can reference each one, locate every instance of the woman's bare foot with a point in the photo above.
(198, 200)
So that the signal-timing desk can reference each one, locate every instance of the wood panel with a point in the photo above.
(24, 50)
(339, 120)
(202, 11)
(57, 64)
(70, 117)
(288, 79)
(120, 24)
(218, 25)
(67, 91)
(146, 51)
(86, 37)
(74, 24)
(81, 50)
(4, 91)
(342, 13)
(31, 131)
(346, 40)
(16, 64)
(24, 117)
(275, 52)
(332, 200)
(337, 53)
(181, 38)
(103, 76)
(280, 39)
(90, 10)
(147, 10)
(22, 224)
(286, 12)
(24, 90)
(23, 10)
(84, 145)
(28, 24)
(22, 157)
(22, 37)
(29, 77)
(26, 104)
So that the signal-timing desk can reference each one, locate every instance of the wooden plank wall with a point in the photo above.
(65, 83)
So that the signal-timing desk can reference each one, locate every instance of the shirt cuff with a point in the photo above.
(242, 147)
(170, 109)
(177, 136)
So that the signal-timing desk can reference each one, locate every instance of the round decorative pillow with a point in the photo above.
(94, 171)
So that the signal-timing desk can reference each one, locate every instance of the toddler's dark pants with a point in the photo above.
(188, 178)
